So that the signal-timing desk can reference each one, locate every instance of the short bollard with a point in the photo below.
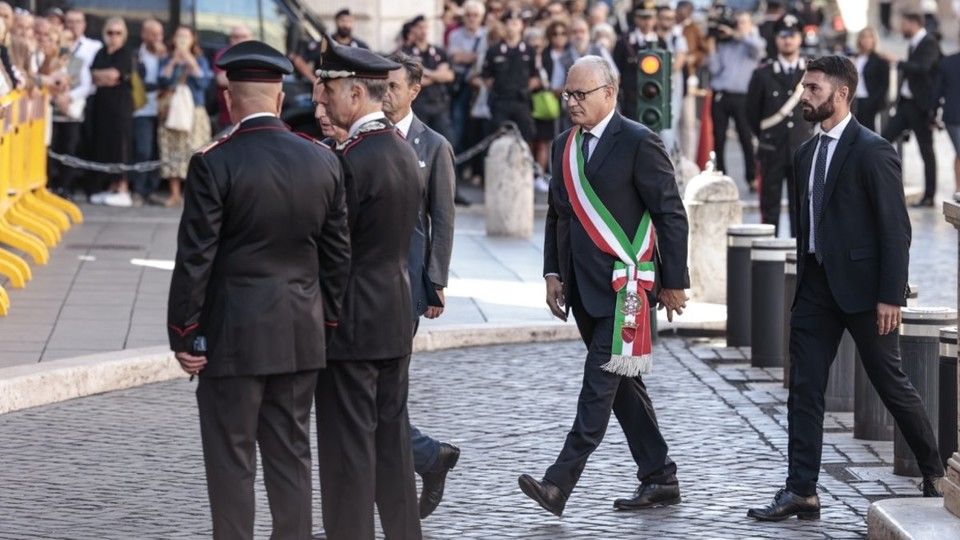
(871, 419)
(739, 243)
(947, 432)
(920, 350)
(768, 260)
(789, 288)
(840, 393)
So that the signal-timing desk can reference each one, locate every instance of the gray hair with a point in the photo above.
(475, 4)
(376, 88)
(601, 67)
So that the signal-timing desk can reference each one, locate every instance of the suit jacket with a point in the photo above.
(384, 194)
(865, 241)
(631, 173)
(262, 253)
(920, 71)
(432, 241)
(876, 77)
(948, 88)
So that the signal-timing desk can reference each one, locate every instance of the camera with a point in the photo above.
(720, 14)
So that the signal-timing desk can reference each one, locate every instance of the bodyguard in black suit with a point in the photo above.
(631, 173)
(917, 106)
(853, 251)
(776, 119)
(262, 260)
(363, 430)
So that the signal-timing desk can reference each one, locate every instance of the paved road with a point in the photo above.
(127, 464)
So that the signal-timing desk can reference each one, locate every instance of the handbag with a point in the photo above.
(481, 104)
(180, 113)
(138, 89)
(165, 95)
(546, 106)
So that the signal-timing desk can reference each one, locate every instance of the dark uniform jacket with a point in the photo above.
(432, 242)
(263, 252)
(384, 193)
(770, 88)
(511, 69)
(630, 171)
(626, 56)
(865, 236)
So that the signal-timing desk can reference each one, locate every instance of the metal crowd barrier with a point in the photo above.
(32, 218)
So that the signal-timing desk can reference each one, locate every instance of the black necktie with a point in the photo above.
(819, 179)
(585, 146)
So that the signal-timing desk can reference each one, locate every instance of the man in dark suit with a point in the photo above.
(628, 169)
(916, 106)
(263, 256)
(363, 430)
(776, 119)
(430, 249)
(853, 248)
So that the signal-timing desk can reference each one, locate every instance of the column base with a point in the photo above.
(911, 518)
(950, 486)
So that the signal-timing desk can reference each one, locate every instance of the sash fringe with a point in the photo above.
(629, 366)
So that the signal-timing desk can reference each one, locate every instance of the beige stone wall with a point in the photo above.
(378, 22)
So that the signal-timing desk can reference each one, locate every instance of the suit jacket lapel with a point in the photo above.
(606, 143)
(415, 132)
(847, 138)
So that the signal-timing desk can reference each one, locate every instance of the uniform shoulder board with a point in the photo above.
(303, 135)
(375, 125)
(217, 142)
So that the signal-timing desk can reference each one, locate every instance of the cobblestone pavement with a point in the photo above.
(127, 464)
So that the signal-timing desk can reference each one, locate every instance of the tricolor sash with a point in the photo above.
(633, 271)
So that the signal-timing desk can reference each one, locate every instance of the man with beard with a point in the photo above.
(775, 118)
(363, 432)
(344, 34)
(853, 249)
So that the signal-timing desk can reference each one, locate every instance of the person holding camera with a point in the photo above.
(735, 49)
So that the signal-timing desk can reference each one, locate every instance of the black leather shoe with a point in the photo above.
(547, 495)
(929, 486)
(650, 495)
(435, 480)
(787, 504)
(925, 202)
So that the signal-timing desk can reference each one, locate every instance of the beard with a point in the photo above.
(820, 113)
(343, 32)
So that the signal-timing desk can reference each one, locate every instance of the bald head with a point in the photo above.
(245, 98)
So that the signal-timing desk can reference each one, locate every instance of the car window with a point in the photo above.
(275, 24)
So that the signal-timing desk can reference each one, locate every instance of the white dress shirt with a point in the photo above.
(833, 137)
(914, 41)
(788, 66)
(255, 115)
(363, 120)
(403, 126)
(597, 132)
(861, 62)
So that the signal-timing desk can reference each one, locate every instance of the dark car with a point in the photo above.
(287, 25)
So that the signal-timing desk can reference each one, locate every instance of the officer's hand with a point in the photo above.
(672, 300)
(555, 298)
(435, 311)
(190, 363)
(888, 318)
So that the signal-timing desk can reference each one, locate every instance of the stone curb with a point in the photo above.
(33, 385)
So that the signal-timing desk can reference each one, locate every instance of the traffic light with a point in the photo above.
(653, 98)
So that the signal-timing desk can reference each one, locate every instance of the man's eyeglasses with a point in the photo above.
(579, 95)
(114, 33)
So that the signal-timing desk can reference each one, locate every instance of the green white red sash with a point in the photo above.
(633, 271)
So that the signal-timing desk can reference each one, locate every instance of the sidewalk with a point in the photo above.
(128, 464)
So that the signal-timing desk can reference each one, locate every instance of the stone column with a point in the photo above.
(951, 483)
(508, 188)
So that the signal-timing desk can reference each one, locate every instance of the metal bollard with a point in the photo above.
(920, 351)
(871, 419)
(947, 432)
(789, 289)
(739, 243)
(841, 386)
(768, 260)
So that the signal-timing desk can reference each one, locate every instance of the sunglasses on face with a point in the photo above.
(114, 33)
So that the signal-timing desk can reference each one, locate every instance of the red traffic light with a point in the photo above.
(650, 64)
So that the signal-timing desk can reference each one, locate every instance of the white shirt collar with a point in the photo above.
(783, 62)
(376, 115)
(601, 126)
(256, 115)
(403, 126)
(915, 40)
(837, 130)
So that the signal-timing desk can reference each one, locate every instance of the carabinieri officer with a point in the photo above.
(263, 255)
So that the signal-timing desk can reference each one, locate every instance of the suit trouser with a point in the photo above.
(363, 450)
(775, 167)
(725, 106)
(236, 414)
(816, 327)
(600, 393)
(910, 117)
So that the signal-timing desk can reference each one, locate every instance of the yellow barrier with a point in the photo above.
(32, 219)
